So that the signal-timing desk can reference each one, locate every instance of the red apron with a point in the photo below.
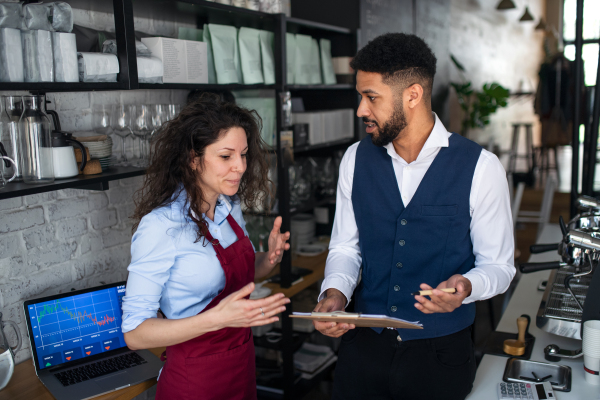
(218, 365)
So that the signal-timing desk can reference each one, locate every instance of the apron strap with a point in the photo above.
(239, 232)
(210, 238)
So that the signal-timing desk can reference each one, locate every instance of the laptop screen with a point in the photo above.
(75, 325)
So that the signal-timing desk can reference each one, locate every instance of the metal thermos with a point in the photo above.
(35, 142)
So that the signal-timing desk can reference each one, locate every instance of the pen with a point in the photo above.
(430, 292)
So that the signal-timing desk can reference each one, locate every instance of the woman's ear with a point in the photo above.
(195, 163)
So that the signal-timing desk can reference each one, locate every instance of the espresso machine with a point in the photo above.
(572, 294)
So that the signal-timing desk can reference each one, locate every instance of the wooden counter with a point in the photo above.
(25, 385)
(316, 264)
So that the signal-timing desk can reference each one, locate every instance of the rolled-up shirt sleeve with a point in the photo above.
(152, 256)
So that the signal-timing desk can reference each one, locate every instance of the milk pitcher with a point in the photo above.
(7, 353)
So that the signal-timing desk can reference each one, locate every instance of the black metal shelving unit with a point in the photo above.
(199, 12)
(89, 182)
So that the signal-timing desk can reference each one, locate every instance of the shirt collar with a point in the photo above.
(222, 209)
(437, 138)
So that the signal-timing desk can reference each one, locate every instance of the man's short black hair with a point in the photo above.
(400, 58)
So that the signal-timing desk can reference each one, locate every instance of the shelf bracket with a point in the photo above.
(95, 186)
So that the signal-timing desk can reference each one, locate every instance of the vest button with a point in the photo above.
(403, 222)
(402, 243)
(396, 288)
(399, 265)
(394, 308)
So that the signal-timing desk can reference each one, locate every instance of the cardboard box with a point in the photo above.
(327, 126)
(184, 61)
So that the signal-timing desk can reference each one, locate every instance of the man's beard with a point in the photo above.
(391, 129)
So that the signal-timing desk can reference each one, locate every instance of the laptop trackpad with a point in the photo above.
(114, 381)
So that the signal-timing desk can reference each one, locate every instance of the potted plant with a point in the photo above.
(477, 106)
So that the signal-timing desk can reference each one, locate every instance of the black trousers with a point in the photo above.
(377, 366)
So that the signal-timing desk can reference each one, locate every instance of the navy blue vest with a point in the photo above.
(426, 242)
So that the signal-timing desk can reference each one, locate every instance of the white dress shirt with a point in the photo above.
(491, 219)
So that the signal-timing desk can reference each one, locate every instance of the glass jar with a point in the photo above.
(12, 109)
(35, 142)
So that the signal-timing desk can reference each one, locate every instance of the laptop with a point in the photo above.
(77, 345)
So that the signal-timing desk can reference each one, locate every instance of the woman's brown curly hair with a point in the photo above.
(198, 125)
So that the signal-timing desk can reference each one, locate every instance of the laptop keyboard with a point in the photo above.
(102, 367)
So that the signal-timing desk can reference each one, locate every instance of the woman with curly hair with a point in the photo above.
(191, 256)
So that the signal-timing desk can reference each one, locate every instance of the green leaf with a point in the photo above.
(457, 63)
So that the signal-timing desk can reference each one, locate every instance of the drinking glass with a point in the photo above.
(142, 128)
(102, 118)
(173, 111)
(160, 115)
(9, 124)
(121, 123)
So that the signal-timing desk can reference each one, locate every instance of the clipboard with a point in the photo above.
(358, 319)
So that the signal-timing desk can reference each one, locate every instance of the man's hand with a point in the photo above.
(442, 302)
(334, 301)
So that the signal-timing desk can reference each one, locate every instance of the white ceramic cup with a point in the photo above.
(591, 338)
(591, 366)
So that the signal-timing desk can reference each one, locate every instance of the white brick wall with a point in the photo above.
(52, 242)
(68, 239)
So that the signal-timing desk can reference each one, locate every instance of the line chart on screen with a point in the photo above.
(75, 317)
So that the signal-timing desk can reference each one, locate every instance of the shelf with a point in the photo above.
(208, 86)
(90, 182)
(199, 12)
(316, 264)
(62, 86)
(302, 149)
(317, 25)
(338, 86)
(224, 7)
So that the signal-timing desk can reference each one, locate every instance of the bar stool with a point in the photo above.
(512, 161)
(545, 165)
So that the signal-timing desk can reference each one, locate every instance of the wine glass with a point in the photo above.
(173, 111)
(121, 123)
(160, 115)
(142, 128)
(101, 119)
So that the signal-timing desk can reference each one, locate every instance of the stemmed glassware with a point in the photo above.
(172, 110)
(160, 115)
(102, 118)
(142, 128)
(121, 123)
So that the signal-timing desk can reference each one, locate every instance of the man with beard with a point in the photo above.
(417, 207)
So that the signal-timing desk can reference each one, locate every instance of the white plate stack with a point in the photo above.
(100, 150)
(303, 227)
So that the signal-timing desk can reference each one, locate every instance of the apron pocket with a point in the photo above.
(227, 375)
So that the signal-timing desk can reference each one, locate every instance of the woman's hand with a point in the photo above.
(234, 311)
(277, 243)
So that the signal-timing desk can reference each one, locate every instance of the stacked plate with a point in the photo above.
(303, 229)
(100, 149)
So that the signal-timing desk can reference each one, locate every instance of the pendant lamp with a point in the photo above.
(526, 16)
(505, 5)
(541, 26)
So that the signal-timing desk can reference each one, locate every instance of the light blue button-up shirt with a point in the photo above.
(169, 270)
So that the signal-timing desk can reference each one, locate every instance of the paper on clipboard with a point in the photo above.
(362, 320)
